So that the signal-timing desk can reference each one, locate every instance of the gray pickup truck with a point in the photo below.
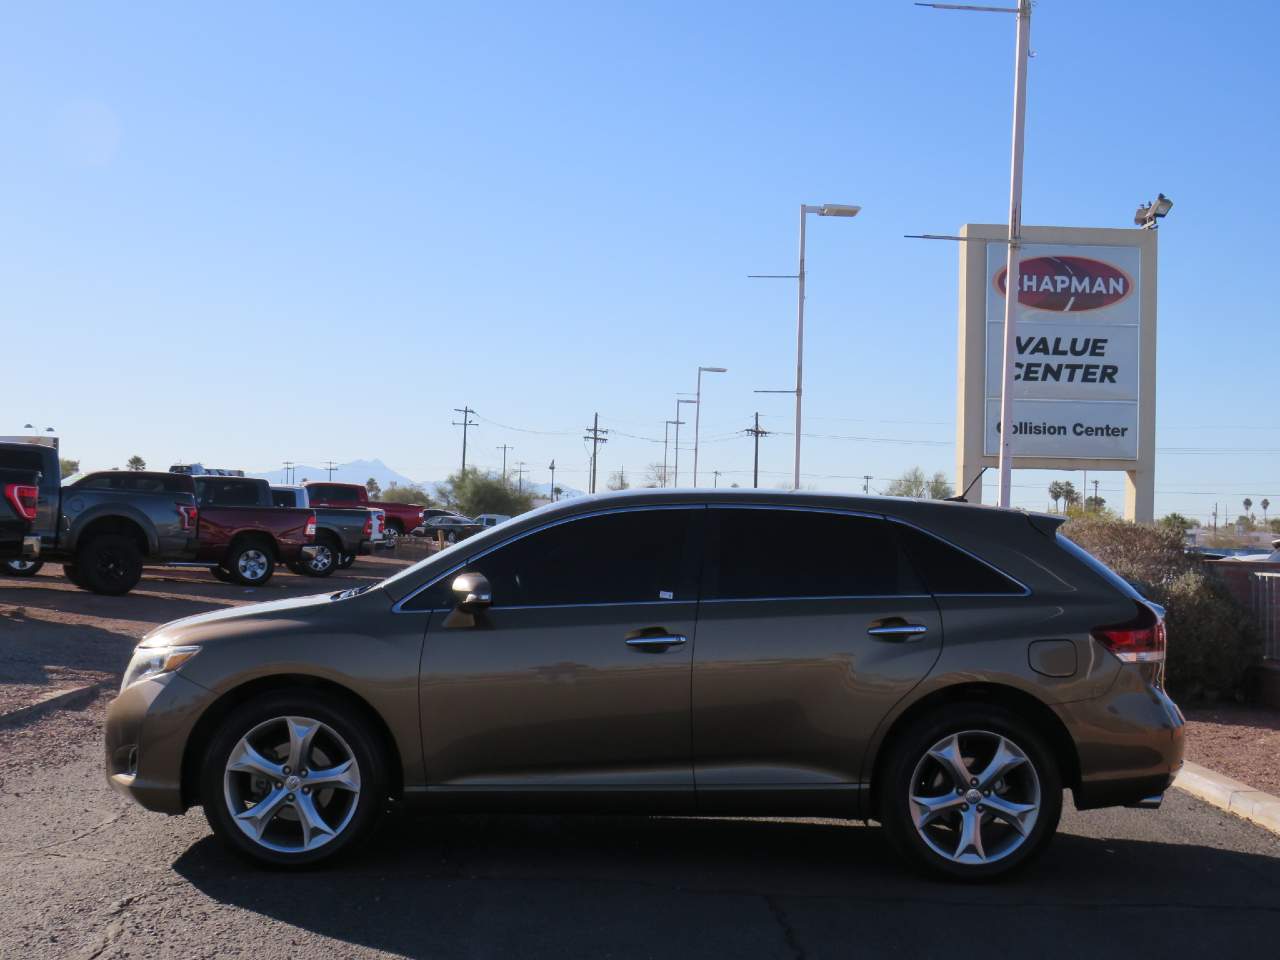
(105, 526)
(342, 533)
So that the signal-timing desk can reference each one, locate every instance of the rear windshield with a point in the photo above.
(1098, 567)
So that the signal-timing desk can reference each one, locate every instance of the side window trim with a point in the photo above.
(399, 605)
(1026, 591)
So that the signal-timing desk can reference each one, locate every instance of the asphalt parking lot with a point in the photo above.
(86, 874)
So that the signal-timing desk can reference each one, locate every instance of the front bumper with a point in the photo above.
(146, 735)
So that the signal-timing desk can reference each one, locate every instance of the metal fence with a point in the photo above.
(1266, 604)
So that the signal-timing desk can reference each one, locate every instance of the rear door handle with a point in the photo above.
(666, 640)
(901, 632)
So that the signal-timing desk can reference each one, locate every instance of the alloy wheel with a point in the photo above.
(252, 564)
(322, 560)
(21, 566)
(975, 797)
(291, 784)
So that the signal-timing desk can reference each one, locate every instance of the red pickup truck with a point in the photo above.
(401, 517)
(242, 535)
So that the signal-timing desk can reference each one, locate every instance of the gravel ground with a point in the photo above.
(1241, 742)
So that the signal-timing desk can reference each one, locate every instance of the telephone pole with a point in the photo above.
(715, 482)
(866, 483)
(553, 482)
(288, 468)
(329, 465)
(521, 470)
(504, 448)
(1095, 494)
(465, 424)
(597, 437)
(757, 433)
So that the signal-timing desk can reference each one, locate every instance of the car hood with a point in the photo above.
(250, 617)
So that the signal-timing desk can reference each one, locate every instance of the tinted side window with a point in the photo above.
(215, 492)
(945, 569)
(283, 498)
(802, 553)
(332, 492)
(626, 557)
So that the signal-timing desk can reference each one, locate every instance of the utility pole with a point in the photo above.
(329, 465)
(675, 482)
(465, 424)
(866, 483)
(554, 498)
(504, 448)
(521, 470)
(1095, 494)
(596, 436)
(715, 483)
(756, 433)
(288, 468)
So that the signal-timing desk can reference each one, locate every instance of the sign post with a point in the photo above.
(1080, 358)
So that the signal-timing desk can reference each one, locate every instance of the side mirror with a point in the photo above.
(472, 592)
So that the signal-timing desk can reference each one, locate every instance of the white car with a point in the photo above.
(492, 519)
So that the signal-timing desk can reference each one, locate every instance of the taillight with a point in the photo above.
(381, 522)
(311, 527)
(1140, 640)
(189, 515)
(24, 497)
(368, 527)
(422, 515)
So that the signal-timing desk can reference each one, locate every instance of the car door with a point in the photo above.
(576, 678)
(812, 625)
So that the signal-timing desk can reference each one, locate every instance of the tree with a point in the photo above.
(618, 480)
(910, 484)
(940, 487)
(1070, 495)
(1248, 504)
(69, 468)
(136, 463)
(655, 475)
(1176, 521)
(1244, 522)
(472, 492)
(374, 488)
(409, 493)
(1264, 504)
(1095, 504)
(1055, 493)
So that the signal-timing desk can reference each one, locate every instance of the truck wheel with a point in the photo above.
(72, 573)
(220, 574)
(110, 564)
(250, 562)
(346, 560)
(391, 536)
(22, 568)
(325, 560)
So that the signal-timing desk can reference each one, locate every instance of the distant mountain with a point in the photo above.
(357, 471)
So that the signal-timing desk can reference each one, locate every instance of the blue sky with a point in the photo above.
(251, 233)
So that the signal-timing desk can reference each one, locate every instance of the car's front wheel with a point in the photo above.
(970, 792)
(293, 778)
(22, 568)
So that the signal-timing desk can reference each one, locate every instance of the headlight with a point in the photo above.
(153, 661)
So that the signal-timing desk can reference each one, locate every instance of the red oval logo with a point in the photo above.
(1068, 284)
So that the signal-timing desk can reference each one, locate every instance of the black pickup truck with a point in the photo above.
(105, 526)
(341, 532)
(19, 494)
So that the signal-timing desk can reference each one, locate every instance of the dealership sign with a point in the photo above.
(1077, 364)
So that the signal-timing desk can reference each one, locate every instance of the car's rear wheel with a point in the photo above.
(294, 777)
(22, 568)
(345, 560)
(323, 562)
(391, 535)
(971, 792)
(250, 562)
(110, 564)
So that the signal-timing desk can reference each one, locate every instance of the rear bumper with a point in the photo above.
(31, 548)
(1129, 744)
(307, 553)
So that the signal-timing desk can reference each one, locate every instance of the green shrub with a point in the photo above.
(1213, 639)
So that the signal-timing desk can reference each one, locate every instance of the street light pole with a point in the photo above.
(822, 210)
(675, 482)
(697, 415)
(666, 430)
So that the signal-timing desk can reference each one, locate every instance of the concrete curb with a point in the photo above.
(57, 700)
(1230, 795)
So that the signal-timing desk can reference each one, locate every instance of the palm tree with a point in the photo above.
(1069, 493)
(1247, 504)
(1264, 504)
(1055, 492)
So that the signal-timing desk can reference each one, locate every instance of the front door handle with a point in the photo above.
(898, 630)
(669, 640)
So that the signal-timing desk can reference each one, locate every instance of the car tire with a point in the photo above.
(325, 560)
(250, 562)
(346, 560)
(450, 537)
(72, 573)
(303, 826)
(982, 818)
(391, 535)
(22, 568)
(109, 564)
(220, 574)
